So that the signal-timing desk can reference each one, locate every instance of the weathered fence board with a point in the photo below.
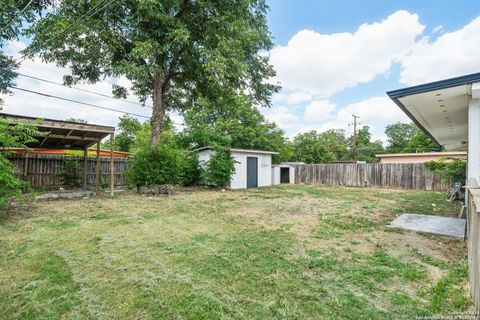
(382, 175)
(45, 171)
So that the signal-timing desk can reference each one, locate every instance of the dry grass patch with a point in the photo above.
(284, 252)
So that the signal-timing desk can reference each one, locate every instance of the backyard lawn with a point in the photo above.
(292, 252)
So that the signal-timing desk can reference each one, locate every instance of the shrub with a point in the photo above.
(10, 186)
(13, 135)
(454, 170)
(162, 164)
(70, 177)
(219, 168)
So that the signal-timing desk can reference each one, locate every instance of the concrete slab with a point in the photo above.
(443, 226)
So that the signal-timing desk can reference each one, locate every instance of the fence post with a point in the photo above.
(112, 168)
(97, 169)
(85, 166)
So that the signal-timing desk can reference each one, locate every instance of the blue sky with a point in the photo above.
(333, 59)
(438, 18)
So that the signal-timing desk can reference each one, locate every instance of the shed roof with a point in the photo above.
(239, 150)
(63, 134)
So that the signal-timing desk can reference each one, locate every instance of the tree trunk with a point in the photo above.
(158, 114)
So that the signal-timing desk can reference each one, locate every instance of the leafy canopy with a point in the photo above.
(173, 51)
(12, 22)
(314, 147)
(406, 137)
(128, 128)
(237, 124)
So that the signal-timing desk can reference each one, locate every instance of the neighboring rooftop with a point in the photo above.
(64, 135)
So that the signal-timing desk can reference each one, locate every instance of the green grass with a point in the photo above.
(289, 252)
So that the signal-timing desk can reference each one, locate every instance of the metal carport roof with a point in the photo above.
(63, 134)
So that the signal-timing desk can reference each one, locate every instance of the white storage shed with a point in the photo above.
(253, 168)
(283, 173)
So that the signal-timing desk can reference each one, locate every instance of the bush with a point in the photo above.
(454, 170)
(163, 164)
(10, 186)
(13, 135)
(218, 170)
(70, 177)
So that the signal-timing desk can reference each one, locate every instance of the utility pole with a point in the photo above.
(355, 138)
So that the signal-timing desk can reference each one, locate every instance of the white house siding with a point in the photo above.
(239, 178)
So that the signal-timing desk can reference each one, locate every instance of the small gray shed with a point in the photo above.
(253, 168)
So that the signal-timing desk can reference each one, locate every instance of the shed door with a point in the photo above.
(252, 172)
(284, 175)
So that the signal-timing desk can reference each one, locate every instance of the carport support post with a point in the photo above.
(112, 164)
(97, 169)
(473, 163)
(85, 166)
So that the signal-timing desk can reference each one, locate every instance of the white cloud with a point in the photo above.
(437, 29)
(450, 54)
(319, 110)
(28, 104)
(283, 116)
(375, 112)
(297, 97)
(323, 64)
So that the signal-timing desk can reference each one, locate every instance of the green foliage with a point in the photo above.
(314, 147)
(11, 27)
(454, 170)
(406, 137)
(128, 129)
(70, 174)
(218, 170)
(166, 163)
(82, 121)
(172, 51)
(12, 135)
(421, 143)
(238, 124)
(366, 149)
(9, 185)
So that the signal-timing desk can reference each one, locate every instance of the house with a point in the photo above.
(253, 168)
(420, 157)
(449, 112)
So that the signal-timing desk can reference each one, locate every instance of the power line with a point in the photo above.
(86, 104)
(79, 89)
(18, 15)
(79, 102)
(27, 55)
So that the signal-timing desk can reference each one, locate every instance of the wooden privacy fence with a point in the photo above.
(45, 171)
(382, 175)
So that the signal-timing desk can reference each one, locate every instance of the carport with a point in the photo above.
(67, 135)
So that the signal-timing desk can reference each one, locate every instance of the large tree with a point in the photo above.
(237, 124)
(172, 51)
(407, 137)
(366, 148)
(325, 147)
(14, 15)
